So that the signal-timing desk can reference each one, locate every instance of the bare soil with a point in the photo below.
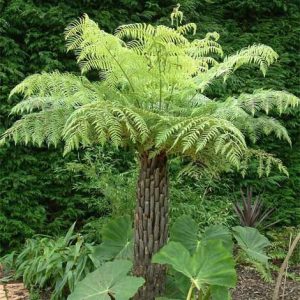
(251, 287)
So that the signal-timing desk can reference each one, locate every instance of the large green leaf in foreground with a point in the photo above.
(220, 293)
(218, 233)
(252, 242)
(117, 237)
(108, 282)
(185, 231)
(211, 264)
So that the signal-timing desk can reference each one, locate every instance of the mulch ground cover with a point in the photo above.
(251, 287)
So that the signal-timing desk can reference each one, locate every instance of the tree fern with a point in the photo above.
(150, 97)
(148, 94)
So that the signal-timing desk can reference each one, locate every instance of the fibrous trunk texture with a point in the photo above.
(151, 223)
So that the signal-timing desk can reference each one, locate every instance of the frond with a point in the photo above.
(185, 29)
(137, 31)
(51, 84)
(252, 126)
(50, 91)
(193, 135)
(268, 100)
(38, 128)
(169, 35)
(100, 122)
(256, 127)
(147, 34)
(260, 55)
(204, 167)
(199, 48)
(266, 162)
(80, 32)
(97, 50)
(176, 14)
(212, 36)
(199, 99)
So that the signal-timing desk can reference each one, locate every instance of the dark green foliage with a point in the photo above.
(35, 197)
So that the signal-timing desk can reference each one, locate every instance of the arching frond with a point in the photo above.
(138, 31)
(52, 84)
(192, 135)
(186, 28)
(268, 100)
(266, 162)
(260, 55)
(204, 47)
(100, 122)
(258, 127)
(38, 128)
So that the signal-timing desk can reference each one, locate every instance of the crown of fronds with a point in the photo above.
(150, 95)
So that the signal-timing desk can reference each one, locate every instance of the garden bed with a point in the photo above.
(250, 287)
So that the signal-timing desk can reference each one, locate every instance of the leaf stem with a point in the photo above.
(190, 293)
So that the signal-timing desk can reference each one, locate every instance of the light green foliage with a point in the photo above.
(149, 96)
(220, 293)
(218, 233)
(110, 281)
(56, 263)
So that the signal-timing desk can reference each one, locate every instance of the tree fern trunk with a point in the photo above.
(151, 223)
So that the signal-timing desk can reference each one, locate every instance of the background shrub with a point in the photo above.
(42, 192)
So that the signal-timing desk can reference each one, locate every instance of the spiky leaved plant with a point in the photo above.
(251, 212)
(150, 97)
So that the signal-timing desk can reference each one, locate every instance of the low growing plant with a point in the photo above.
(203, 265)
(280, 238)
(55, 263)
(110, 281)
(59, 264)
(251, 213)
(204, 268)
